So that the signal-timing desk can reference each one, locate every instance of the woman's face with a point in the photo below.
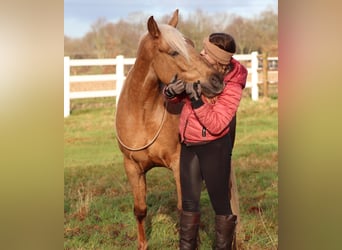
(207, 57)
(212, 62)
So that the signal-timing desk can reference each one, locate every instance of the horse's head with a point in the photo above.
(170, 54)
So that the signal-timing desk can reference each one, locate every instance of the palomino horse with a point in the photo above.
(147, 130)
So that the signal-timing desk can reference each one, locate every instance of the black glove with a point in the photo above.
(175, 87)
(193, 90)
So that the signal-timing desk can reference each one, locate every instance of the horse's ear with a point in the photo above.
(174, 20)
(189, 41)
(152, 27)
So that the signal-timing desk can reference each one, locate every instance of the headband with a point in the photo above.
(216, 53)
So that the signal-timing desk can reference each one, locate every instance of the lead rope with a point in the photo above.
(149, 143)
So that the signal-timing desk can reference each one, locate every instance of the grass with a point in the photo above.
(98, 204)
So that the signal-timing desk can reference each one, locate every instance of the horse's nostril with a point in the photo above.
(215, 80)
(214, 86)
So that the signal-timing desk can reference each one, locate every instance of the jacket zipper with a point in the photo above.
(204, 132)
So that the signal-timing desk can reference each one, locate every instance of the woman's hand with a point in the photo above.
(193, 90)
(175, 87)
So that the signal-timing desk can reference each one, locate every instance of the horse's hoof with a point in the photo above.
(142, 246)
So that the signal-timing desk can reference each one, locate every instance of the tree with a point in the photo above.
(197, 26)
(244, 33)
(267, 30)
(99, 37)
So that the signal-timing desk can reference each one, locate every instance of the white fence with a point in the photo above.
(119, 77)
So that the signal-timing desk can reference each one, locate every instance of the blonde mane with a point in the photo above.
(174, 39)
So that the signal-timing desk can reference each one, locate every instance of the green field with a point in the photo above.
(98, 205)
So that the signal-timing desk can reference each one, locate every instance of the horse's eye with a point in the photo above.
(173, 53)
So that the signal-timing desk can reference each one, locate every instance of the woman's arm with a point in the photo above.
(216, 117)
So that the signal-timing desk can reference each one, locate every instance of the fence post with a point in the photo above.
(254, 69)
(120, 75)
(265, 73)
(66, 86)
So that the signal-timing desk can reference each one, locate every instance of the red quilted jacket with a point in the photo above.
(211, 120)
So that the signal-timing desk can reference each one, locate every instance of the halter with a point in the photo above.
(150, 142)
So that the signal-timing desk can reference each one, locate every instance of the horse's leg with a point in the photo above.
(176, 175)
(234, 200)
(137, 180)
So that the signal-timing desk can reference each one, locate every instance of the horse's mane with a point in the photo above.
(174, 39)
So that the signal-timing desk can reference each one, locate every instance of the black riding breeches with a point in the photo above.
(210, 162)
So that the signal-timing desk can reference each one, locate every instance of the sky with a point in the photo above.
(79, 15)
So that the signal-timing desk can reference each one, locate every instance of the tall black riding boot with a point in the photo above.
(225, 232)
(188, 233)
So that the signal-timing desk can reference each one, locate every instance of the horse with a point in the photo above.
(146, 126)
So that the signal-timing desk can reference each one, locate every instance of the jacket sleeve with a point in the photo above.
(216, 117)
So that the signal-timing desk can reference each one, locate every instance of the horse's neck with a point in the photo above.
(140, 112)
(143, 89)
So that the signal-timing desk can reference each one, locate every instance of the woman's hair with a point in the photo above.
(223, 41)
(226, 42)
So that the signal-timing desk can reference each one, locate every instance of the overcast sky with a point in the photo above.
(80, 14)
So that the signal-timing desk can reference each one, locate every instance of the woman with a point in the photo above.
(207, 130)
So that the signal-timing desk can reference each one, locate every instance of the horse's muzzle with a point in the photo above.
(214, 87)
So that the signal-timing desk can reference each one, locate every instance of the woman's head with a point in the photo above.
(223, 41)
(218, 50)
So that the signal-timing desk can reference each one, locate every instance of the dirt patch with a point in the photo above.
(92, 86)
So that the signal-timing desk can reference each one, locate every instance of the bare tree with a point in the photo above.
(243, 32)
(98, 37)
(197, 26)
(267, 29)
